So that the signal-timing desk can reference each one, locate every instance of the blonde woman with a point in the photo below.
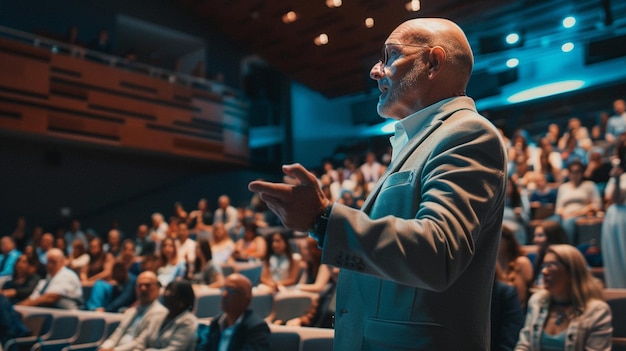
(568, 313)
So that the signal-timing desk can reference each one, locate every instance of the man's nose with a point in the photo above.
(377, 71)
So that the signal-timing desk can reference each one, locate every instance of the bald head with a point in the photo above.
(147, 288)
(425, 60)
(446, 34)
(55, 261)
(236, 295)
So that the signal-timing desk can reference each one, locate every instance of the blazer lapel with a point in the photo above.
(395, 165)
(436, 120)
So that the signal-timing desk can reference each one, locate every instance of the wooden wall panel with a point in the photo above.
(67, 97)
(24, 74)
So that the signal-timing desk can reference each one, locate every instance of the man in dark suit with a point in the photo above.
(237, 328)
(417, 261)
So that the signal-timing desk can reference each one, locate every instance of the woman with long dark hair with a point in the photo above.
(204, 271)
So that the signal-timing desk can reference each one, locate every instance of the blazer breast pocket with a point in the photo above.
(397, 196)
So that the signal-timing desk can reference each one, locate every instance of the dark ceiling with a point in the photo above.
(342, 66)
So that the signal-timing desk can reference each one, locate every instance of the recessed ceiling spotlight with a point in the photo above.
(290, 17)
(512, 62)
(569, 22)
(512, 38)
(413, 5)
(369, 22)
(567, 47)
(333, 3)
(321, 39)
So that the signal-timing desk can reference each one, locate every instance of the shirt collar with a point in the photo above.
(409, 126)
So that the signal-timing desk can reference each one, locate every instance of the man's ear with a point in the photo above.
(436, 61)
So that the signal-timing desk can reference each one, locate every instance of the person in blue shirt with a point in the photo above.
(8, 257)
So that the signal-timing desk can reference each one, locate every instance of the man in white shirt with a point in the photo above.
(60, 289)
(185, 246)
(617, 123)
(225, 213)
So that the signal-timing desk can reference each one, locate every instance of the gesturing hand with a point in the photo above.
(297, 204)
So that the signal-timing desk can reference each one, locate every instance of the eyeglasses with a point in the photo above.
(384, 55)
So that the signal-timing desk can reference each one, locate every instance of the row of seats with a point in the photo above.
(63, 330)
(284, 305)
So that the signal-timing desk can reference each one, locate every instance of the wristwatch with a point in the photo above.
(319, 227)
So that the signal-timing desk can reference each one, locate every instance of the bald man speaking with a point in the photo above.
(418, 259)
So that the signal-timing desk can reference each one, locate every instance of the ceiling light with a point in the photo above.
(321, 39)
(333, 3)
(567, 47)
(546, 90)
(512, 62)
(290, 17)
(512, 38)
(413, 5)
(369, 22)
(569, 22)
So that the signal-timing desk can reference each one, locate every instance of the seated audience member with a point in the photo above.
(546, 233)
(237, 328)
(114, 294)
(159, 228)
(280, 268)
(11, 325)
(60, 289)
(61, 244)
(180, 213)
(170, 267)
(320, 279)
(200, 221)
(74, 233)
(598, 169)
(185, 246)
(222, 245)
(78, 259)
(516, 268)
(568, 313)
(251, 246)
(576, 198)
(543, 194)
(140, 320)
(24, 281)
(100, 263)
(516, 211)
(31, 253)
(176, 330)
(45, 244)
(114, 243)
(127, 257)
(548, 161)
(225, 213)
(8, 256)
(507, 317)
(143, 245)
(204, 271)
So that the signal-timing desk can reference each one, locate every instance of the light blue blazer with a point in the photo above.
(417, 261)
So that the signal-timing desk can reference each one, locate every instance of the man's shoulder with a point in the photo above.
(252, 320)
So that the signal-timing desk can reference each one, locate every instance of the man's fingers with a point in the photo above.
(280, 191)
(298, 171)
